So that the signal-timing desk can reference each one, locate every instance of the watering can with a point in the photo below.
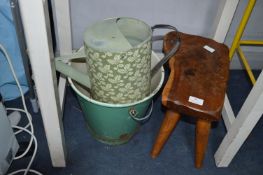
(117, 52)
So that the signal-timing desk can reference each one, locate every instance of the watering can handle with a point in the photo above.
(171, 52)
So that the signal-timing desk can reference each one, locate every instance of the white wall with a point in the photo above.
(190, 16)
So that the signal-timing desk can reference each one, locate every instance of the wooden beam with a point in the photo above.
(61, 17)
(245, 121)
(224, 19)
(35, 20)
(227, 113)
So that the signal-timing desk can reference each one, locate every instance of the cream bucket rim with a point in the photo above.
(126, 104)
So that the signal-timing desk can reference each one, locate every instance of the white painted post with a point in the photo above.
(35, 20)
(61, 17)
(245, 121)
(241, 126)
(225, 19)
(227, 113)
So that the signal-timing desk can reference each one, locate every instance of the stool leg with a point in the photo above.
(201, 140)
(169, 122)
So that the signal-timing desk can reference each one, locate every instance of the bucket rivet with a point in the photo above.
(133, 112)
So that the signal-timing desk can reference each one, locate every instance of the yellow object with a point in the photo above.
(237, 42)
(250, 42)
(246, 65)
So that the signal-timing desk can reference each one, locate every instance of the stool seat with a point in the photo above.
(198, 78)
(196, 87)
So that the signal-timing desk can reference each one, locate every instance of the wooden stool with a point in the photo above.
(196, 87)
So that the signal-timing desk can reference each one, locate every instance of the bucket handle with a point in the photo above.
(173, 50)
(133, 113)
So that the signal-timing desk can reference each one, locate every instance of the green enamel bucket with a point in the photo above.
(115, 124)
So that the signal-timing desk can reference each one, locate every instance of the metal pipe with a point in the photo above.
(246, 65)
(241, 28)
(250, 42)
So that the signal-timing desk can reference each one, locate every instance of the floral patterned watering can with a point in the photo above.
(118, 58)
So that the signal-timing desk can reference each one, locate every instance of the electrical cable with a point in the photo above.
(29, 118)
(22, 129)
(23, 102)
(33, 156)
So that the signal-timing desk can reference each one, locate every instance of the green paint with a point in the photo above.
(118, 57)
(112, 123)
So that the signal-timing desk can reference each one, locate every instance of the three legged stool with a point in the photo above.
(196, 87)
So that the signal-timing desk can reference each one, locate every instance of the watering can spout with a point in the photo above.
(64, 68)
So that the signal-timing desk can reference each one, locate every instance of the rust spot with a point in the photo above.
(125, 136)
